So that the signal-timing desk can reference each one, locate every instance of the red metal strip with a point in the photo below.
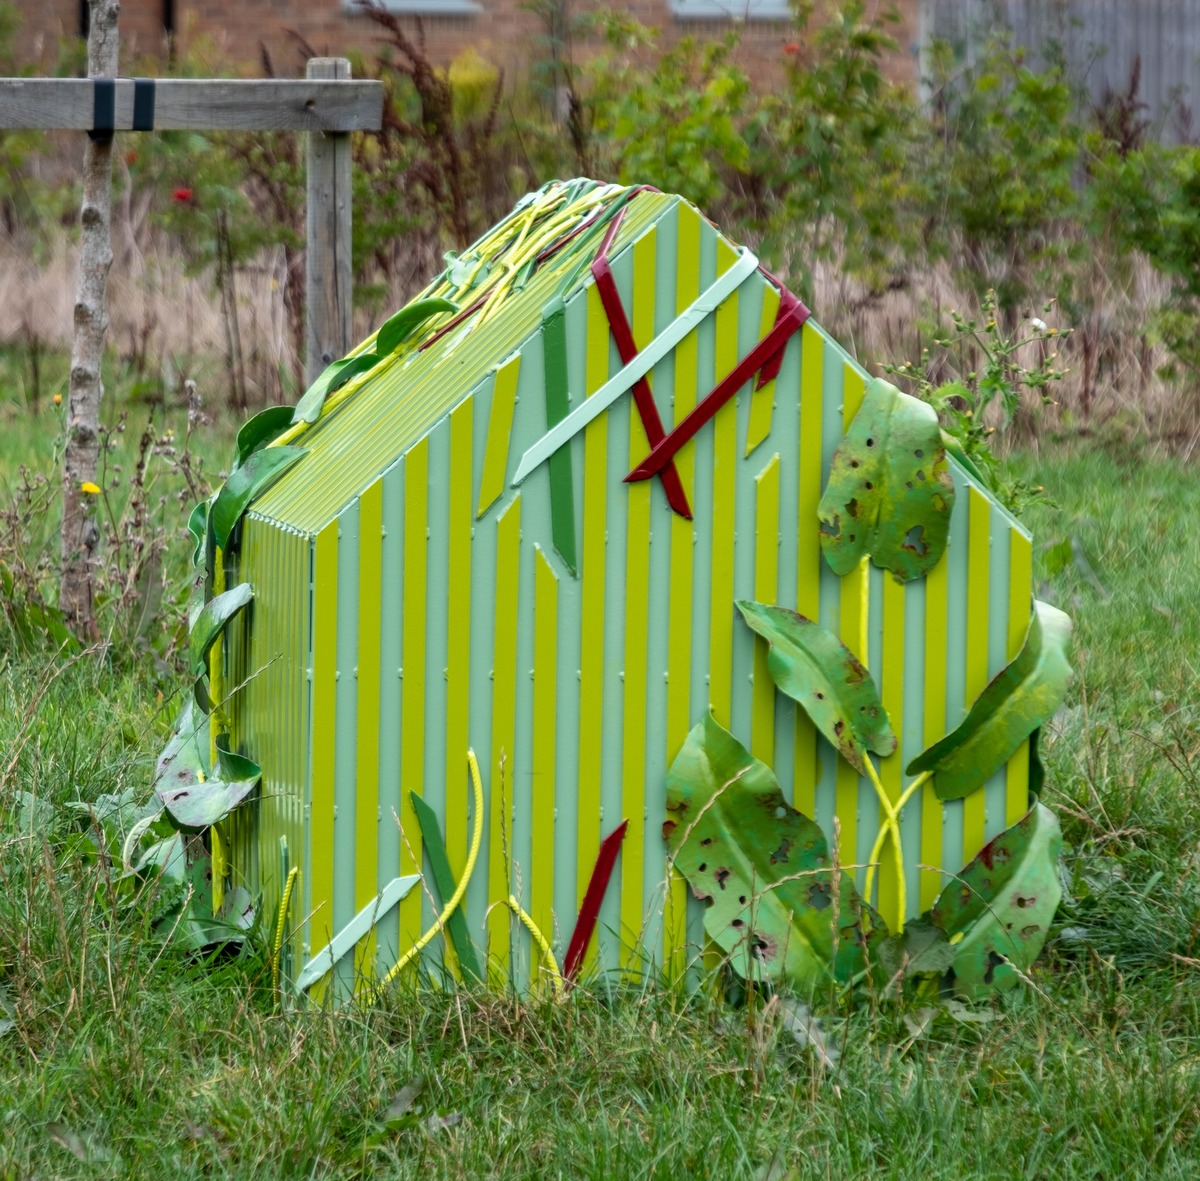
(618, 323)
(589, 912)
(773, 342)
(787, 301)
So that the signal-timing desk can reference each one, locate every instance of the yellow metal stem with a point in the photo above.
(457, 896)
(542, 942)
(891, 824)
(284, 902)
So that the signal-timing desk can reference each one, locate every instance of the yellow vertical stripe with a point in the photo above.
(725, 458)
(495, 456)
(458, 641)
(504, 721)
(370, 611)
(853, 617)
(216, 691)
(412, 685)
(762, 402)
(808, 546)
(545, 720)
(978, 543)
(683, 534)
(891, 769)
(1020, 587)
(637, 594)
(766, 590)
(324, 690)
(937, 583)
(591, 659)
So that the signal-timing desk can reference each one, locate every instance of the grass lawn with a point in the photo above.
(121, 1059)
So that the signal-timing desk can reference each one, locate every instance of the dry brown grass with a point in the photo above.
(168, 325)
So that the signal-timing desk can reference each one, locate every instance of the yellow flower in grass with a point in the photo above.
(90, 488)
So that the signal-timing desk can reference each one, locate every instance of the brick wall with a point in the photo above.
(502, 31)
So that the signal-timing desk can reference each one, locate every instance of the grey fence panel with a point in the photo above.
(1103, 42)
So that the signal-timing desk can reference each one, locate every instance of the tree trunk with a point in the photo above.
(80, 534)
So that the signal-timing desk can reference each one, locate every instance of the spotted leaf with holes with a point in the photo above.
(762, 869)
(889, 492)
(997, 911)
(813, 667)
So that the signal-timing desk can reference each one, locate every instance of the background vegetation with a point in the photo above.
(977, 244)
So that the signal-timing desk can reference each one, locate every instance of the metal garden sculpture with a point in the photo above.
(481, 529)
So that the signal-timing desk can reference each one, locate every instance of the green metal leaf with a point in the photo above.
(1020, 698)
(266, 425)
(245, 484)
(407, 320)
(332, 378)
(997, 912)
(443, 877)
(198, 528)
(920, 948)
(762, 869)
(209, 801)
(211, 621)
(889, 492)
(813, 667)
(183, 762)
(955, 449)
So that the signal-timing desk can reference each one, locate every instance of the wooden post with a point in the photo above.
(80, 534)
(327, 265)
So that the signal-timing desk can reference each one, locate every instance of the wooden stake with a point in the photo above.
(327, 265)
(80, 534)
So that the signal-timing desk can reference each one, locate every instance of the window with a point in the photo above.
(764, 10)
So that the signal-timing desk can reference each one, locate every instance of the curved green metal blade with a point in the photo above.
(407, 320)
(211, 621)
(997, 912)
(243, 485)
(813, 667)
(332, 378)
(1022, 696)
(266, 425)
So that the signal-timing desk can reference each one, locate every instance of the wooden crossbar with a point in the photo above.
(190, 104)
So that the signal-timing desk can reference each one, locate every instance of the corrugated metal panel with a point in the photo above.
(394, 408)
(443, 617)
(267, 665)
(1101, 40)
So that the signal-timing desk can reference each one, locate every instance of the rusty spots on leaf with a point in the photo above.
(852, 505)
(668, 828)
(1024, 901)
(781, 854)
(832, 528)
(722, 875)
(819, 895)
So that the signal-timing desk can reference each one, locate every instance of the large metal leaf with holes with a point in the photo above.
(761, 868)
(813, 667)
(889, 492)
(206, 801)
(1019, 699)
(182, 762)
(997, 912)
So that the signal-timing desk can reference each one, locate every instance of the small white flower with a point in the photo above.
(1040, 325)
